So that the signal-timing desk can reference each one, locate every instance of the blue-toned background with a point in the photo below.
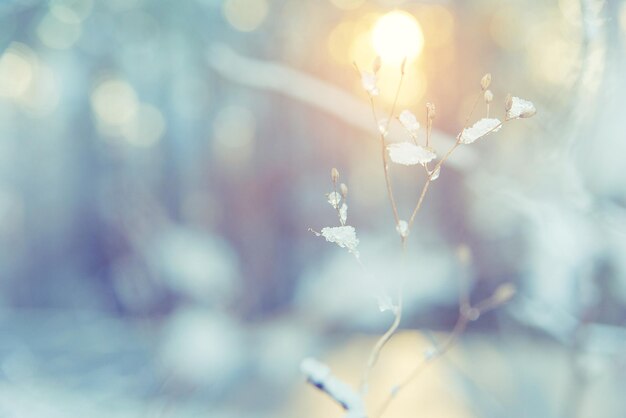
(161, 163)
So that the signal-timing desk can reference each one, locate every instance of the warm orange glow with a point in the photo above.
(397, 35)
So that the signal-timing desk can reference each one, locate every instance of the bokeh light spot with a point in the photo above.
(114, 102)
(59, 33)
(347, 4)
(245, 15)
(397, 35)
(234, 129)
(17, 68)
(146, 128)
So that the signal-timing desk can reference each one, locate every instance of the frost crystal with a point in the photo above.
(343, 214)
(382, 126)
(369, 80)
(334, 198)
(409, 121)
(520, 108)
(407, 153)
(480, 129)
(343, 236)
(434, 175)
(385, 303)
(403, 228)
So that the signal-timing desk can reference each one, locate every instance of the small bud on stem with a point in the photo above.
(344, 190)
(485, 81)
(504, 293)
(508, 103)
(334, 175)
(488, 96)
(376, 64)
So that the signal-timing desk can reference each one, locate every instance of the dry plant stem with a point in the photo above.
(429, 180)
(459, 328)
(375, 353)
(471, 112)
(392, 200)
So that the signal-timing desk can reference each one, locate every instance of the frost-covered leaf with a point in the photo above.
(343, 236)
(480, 129)
(343, 214)
(409, 121)
(407, 153)
(520, 108)
(334, 198)
(403, 228)
(369, 82)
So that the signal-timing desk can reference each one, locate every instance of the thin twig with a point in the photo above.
(375, 353)
(458, 329)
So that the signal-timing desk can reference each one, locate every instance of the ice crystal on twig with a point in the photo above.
(403, 228)
(334, 198)
(343, 214)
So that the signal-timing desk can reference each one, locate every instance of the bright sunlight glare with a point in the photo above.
(397, 35)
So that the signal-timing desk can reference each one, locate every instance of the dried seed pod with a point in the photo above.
(508, 103)
(488, 96)
(504, 293)
(344, 190)
(485, 81)
(334, 175)
(431, 110)
(376, 64)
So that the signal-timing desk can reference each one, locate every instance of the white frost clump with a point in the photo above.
(319, 374)
(409, 121)
(334, 198)
(480, 129)
(343, 214)
(343, 236)
(403, 228)
(407, 153)
(520, 108)
(382, 126)
(369, 80)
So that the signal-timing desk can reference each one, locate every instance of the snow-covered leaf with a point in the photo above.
(409, 121)
(480, 129)
(407, 153)
(520, 108)
(343, 236)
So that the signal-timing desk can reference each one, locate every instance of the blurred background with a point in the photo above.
(161, 162)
